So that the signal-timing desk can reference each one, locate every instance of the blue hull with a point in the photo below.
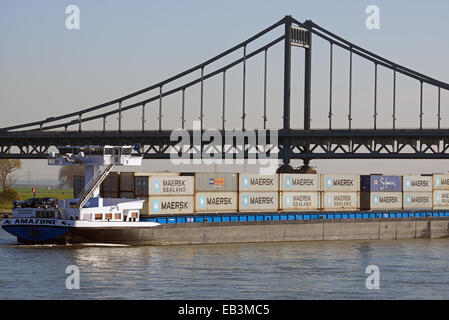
(36, 234)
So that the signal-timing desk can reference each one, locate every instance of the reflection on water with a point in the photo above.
(409, 269)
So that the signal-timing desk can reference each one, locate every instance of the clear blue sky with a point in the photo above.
(123, 46)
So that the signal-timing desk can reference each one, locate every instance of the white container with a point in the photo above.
(340, 201)
(340, 182)
(299, 182)
(170, 204)
(257, 182)
(385, 200)
(440, 199)
(216, 202)
(417, 200)
(171, 185)
(441, 182)
(258, 201)
(295, 201)
(417, 183)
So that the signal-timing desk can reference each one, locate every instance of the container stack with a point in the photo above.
(299, 191)
(127, 185)
(216, 192)
(339, 191)
(440, 191)
(110, 188)
(383, 192)
(169, 195)
(417, 192)
(258, 193)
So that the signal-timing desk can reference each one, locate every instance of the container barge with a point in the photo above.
(171, 208)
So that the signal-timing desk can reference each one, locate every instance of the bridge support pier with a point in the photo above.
(305, 168)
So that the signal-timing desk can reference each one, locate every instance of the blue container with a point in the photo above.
(180, 220)
(199, 219)
(372, 215)
(314, 216)
(276, 217)
(259, 218)
(234, 218)
(307, 217)
(379, 215)
(352, 216)
(291, 217)
(162, 220)
(322, 216)
(217, 219)
(208, 219)
(267, 218)
(251, 218)
(299, 217)
(243, 218)
(283, 217)
(385, 184)
(345, 216)
(405, 215)
(365, 215)
(358, 216)
(226, 218)
(446, 214)
(171, 220)
(338, 216)
(331, 216)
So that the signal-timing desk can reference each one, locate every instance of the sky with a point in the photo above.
(123, 46)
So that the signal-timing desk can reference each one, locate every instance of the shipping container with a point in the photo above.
(216, 202)
(257, 182)
(295, 201)
(299, 182)
(127, 182)
(142, 185)
(258, 201)
(385, 183)
(340, 201)
(441, 182)
(417, 200)
(417, 183)
(111, 183)
(386, 200)
(171, 185)
(110, 195)
(127, 195)
(170, 204)
(78, 185)
(340, 182)
(440, 199)
(223, 182)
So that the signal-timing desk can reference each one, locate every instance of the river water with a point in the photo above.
(408, 269)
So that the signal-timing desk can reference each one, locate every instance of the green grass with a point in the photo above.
(25, 193)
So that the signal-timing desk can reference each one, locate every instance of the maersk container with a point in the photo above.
(417, 200)
(299, 182)
(258, 182)
(258, 201)
(340, 182)
(171, 185)
(417, 183)
(127, 181)
(170, 204)
(340, 201)
(386, 200)
(216, 202)
(111, 183)
(223, 182)
(441, 182)
(295, 201)
(440, 199)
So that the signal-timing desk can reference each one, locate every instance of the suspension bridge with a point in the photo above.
(34, 140)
